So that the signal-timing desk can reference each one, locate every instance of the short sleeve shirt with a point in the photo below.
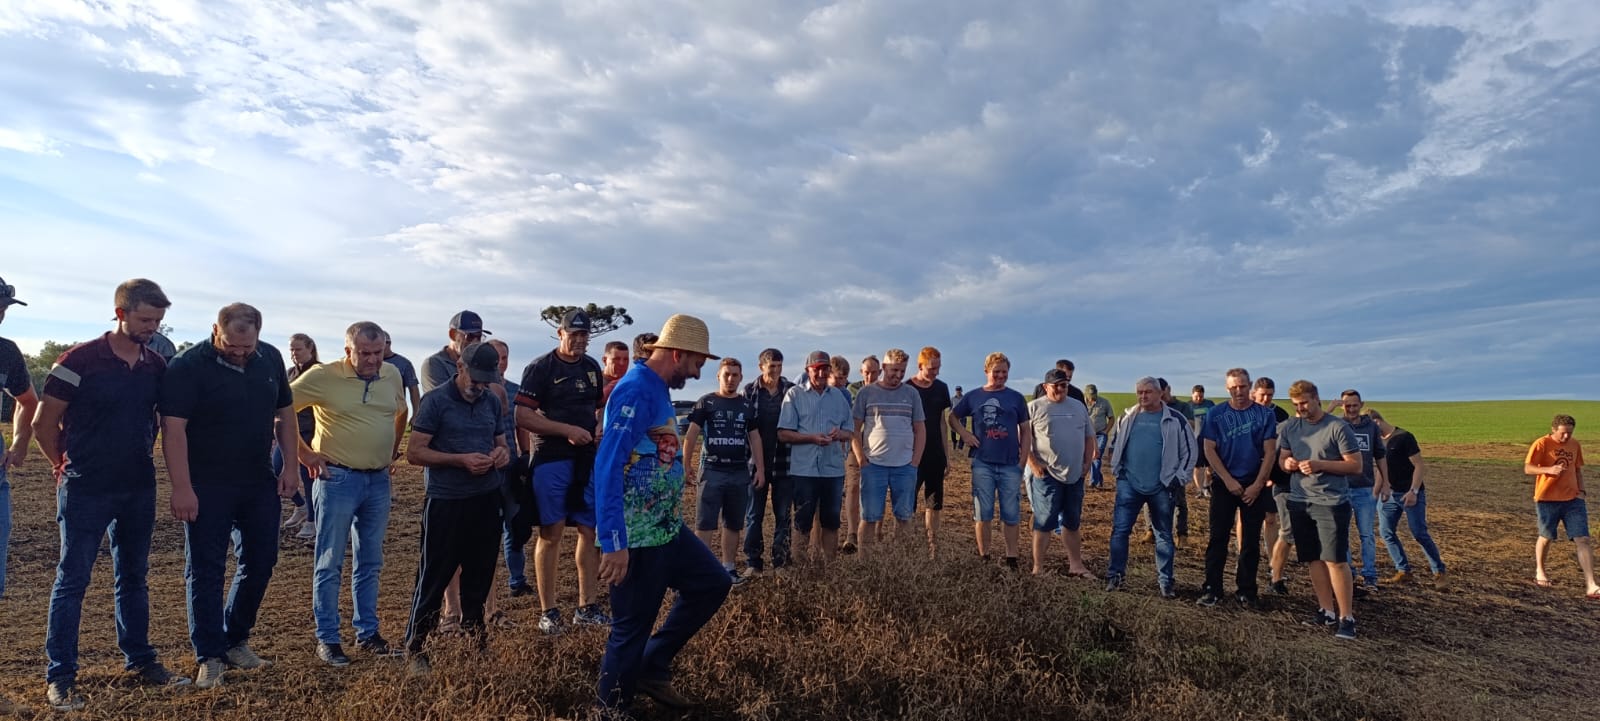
(13, 372)
(806, 411)
(1239, 435)
(109, 427)
(437, 368)
(1400, 447)
(725, 424)
(408, 372)
(889, 419)
(1060, 435)
(1547, 452)
(566, 393)
(1100, 414)
(457, 425)
(935, 401)
(1328, 440)
(355, 416)
(1370, 441)
(995, 416)
(230, 412)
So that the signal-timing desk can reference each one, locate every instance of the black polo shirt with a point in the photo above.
(457, 425)
(109, 426)
(230, 412)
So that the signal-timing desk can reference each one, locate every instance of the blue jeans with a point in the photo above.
(1417, 519)
(1129, 503)
(353, 509)
(516, 558)
(781, 490)
(84, 517)
(991, 480)
(1095, 478)
(5, 527)
(253, 511)
(632, 652)
(1364, 511)
(883, 483)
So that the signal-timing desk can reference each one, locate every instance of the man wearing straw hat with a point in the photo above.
(646, 547)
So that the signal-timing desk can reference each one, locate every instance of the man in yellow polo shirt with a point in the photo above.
(360, 410)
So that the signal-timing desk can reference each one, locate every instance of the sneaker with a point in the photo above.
(155, 674)
(332, 654)
(417, 665)
(664, 694)
(1245, 600)
(736, 578)
(308, 531)
(1370, 586)
(1167, 591)
(1011, 563)
(1280, 587)
(519, 590)
(210, 674)
(376, 646)
(1208, 599)
(1347, 629)
(590, 615)
(241, 656)
(64, 696)
(1399, 577)
(848, 548)
(550, 622)
(296, 518)
(1113, 583)
(750, 572)
(1321, 618)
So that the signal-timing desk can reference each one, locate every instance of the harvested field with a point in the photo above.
(898, 636)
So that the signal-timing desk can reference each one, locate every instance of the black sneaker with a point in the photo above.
(1011, 563)
(155, 674)
(332, 654)
(376, 646)
(1347, 630)
(1245, 600)
(1280, 587)
(64, 696)
(1207, 599)
(736, 579)
(1321, 618)
(521, 589)
(1113, 583)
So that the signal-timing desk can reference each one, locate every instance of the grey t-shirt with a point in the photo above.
(459, 426)
(1328, 440)
(888, 418)
(1370, 441)
(437, 368)
(1100, 414)
(408, 372)
(1061, 431)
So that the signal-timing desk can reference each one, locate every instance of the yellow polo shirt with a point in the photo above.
(355, 417)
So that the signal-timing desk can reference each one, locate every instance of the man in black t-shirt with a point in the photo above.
(732, 460)
(1406, 497)
(1276, 527)
(14, 380)
(935, 453)
(559, 399)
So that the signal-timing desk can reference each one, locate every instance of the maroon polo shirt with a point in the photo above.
(109, 428)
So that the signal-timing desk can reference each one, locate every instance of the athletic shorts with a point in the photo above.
(1321, 533)
(724, 492)
(551, 482)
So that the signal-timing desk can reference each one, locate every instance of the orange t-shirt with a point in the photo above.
(1547, 452)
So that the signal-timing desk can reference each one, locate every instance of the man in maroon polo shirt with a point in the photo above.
(97, 426)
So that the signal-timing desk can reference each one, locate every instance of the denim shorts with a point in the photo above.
(1573, 514)
(886, 483)
(1321, 533)
(997, 480)
(724, 492)
(1052, 500)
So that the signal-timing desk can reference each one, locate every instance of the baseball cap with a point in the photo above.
(8, 294)
(468, 322)
(483, 362)
(1091, 388)
(818, 358)
(1054, 376)
(575, 321)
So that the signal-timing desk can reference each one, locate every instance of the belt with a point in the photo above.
(357, 470)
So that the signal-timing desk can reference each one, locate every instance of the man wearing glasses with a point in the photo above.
(360, 408)
(465, 327)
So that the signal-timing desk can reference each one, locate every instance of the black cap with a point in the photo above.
(1054, 376)
(483, 362)
(468, 322)
(8, 294)
(575, 321)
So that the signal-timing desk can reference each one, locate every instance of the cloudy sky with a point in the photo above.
(1397, 197)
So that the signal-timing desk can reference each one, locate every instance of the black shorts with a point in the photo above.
(1321, 533)
(930, 481)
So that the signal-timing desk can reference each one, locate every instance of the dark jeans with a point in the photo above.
(84, 517)
(632, 652)
(1223, 507)
(1129, 503)
(302, 497)
(460, 534)
(224, 508)
(1096, 479)
(781, 490)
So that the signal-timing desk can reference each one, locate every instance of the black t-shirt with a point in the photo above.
(726, 424)
(1401, 446)
(1280, 477)
(230, 412)
(935, 401)
(567, 393)
(13, 372)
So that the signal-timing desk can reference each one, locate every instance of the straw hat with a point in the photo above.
(686, 333)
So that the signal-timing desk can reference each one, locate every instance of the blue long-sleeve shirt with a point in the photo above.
(638, 477)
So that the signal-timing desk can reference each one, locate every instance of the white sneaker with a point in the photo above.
(241, 656)
(296, 518)
(210, 674)
(308, 531)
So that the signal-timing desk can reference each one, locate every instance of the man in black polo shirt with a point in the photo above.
(437, 369)
(219, 400)
(96, 426)
(559, 400)
(459, 437)
(14, 380)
